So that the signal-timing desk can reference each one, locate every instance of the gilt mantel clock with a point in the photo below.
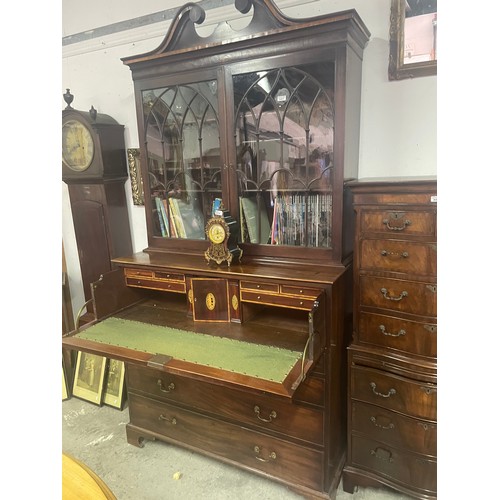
(94, 166)
(222, 233)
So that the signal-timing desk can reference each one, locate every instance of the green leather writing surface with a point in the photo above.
(261, 361)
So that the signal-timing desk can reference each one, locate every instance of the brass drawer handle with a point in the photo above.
(388, 334)
(271, 456)
(386, 455)
(402, 295)
(170, 387)
(172, 420)
(385, 427)
(391, 392)
(272, 415)
(403, 255)
(396, 216)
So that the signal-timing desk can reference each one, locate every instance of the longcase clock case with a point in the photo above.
(245, 363)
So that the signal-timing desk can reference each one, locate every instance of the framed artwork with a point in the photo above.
(134, 168)
(89, 377)
(114, 393)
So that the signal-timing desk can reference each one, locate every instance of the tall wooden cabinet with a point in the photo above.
(245, 363)
(392, 425)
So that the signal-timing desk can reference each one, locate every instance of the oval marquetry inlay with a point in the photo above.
(210, 301)
(234, 302)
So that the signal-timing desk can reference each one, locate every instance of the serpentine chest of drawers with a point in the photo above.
(392, 406)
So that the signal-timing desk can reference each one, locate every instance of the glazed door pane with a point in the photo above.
(184, 159)
(284, 136)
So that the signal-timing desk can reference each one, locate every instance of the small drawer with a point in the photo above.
(264, 287)
(276, 457)
(413, 337)
(264, 412)
(398, 256)
(304, 304)
(413, 398)
(399, 222)
(406, 296)
(162, 275)
(404, 468)
(138, 273)
(157, 284)
(394, 429)
(300, 291)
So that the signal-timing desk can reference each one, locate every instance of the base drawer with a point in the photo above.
(405, 468)
(394, 429)
(253, 449)
(413, 398)
(268, 413)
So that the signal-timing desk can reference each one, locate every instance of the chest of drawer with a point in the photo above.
(405, 468)
(394, 429)
(413, 398)
(398, 256)
(412, 337)
(419, 298)
(400, 222)
(264, 412)
(261, 452)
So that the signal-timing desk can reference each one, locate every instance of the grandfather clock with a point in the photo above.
(94, 166)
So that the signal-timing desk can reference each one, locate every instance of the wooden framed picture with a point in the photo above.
(89, 377)
(114, 393)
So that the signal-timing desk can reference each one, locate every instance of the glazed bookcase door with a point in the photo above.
(284, 138)
(184, 165)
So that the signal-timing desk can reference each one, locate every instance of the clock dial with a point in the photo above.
(77, 146)
(216, 233)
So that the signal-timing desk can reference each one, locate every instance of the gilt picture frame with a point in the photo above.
(89, 379)
(134, 169)
(114, 390)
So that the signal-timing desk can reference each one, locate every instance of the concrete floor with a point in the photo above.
(96, 436)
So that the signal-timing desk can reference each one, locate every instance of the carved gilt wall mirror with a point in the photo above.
(413, 39)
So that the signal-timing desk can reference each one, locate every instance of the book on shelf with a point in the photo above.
(299, 220)
(162, 218)
(188, 220)
(256, 220)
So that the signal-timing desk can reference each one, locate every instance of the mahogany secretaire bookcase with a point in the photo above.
(244, 362)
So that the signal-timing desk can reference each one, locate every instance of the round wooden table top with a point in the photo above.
(80, 483)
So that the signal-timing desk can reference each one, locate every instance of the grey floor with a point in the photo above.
(159, 471)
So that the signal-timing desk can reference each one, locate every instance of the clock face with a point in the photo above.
(216, 233)
(77, 146)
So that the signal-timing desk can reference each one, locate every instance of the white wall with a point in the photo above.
(398, 118)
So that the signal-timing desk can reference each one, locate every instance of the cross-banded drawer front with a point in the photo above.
(411, 297)
(265, 412)
(394, 429)
(413, 337)
(399, 222)
(411, 397)
(155, 280)
(276, 457)
(398, 256)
